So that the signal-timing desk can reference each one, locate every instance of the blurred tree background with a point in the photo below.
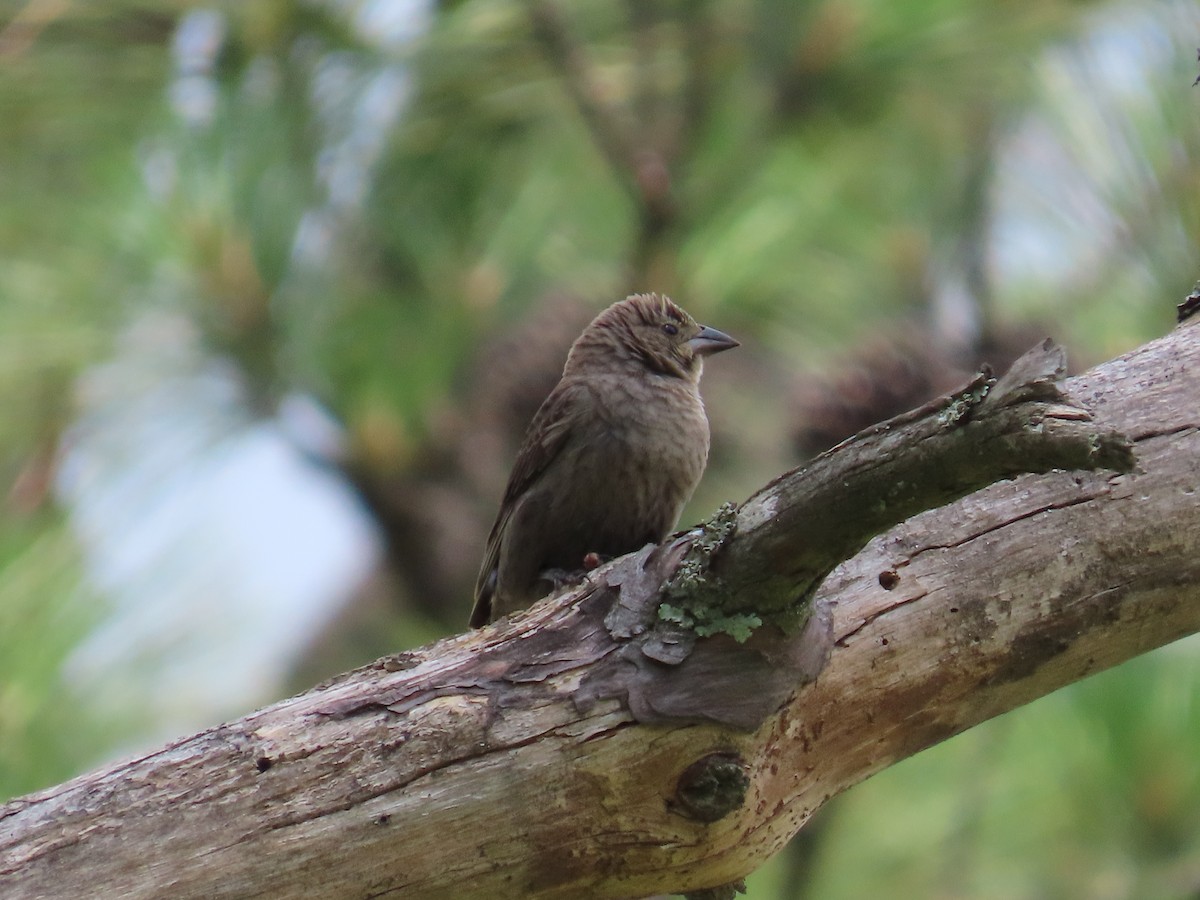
(284, 281)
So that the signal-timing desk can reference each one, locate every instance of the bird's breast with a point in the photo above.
(662, 428)
(636, 450)
(643, 456)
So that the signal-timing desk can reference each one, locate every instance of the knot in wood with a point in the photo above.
(712, 787)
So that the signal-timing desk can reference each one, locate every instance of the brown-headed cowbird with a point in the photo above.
(611, 456)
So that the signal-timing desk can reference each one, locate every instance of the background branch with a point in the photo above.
(616, 142)
(629, 145)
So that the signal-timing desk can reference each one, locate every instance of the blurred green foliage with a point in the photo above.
(48, 732)
(357, 205)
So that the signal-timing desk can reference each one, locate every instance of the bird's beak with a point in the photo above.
(710, 341)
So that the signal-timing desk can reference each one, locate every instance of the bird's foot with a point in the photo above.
(560, 578)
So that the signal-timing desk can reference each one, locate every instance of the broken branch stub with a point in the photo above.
(744, 581)
(793, 532)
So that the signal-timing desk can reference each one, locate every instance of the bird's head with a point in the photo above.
(650, 330)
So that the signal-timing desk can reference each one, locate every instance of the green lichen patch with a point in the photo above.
(961, 405)
(706, 621)
(692, 598)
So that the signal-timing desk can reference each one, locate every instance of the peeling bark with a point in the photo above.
(597, 747)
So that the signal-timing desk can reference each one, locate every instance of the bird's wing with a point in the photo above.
(544, 440)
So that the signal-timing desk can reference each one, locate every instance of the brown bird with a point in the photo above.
(609, 459)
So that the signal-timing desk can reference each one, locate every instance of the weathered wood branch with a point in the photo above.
(596, 747)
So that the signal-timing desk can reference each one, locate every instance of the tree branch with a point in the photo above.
(639, 166)
(595, 745)
(615, 140)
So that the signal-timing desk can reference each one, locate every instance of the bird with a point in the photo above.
(609, 459)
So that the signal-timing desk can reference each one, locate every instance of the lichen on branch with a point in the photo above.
(759, 564)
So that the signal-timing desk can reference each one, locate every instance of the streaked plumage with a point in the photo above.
(610, 458)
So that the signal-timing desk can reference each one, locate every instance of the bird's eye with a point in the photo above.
(670, 329)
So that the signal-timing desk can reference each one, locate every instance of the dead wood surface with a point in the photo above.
(589, 749)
